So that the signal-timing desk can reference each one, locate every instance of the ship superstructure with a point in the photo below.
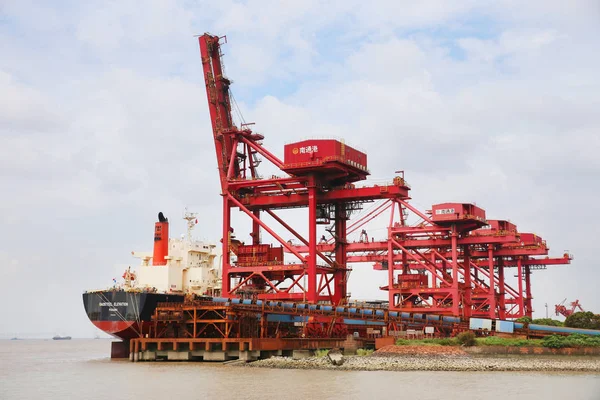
(177, 265)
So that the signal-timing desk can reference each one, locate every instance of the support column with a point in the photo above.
(136, 351)
(467, 301)
(390, 257)
(312, 294)
(502, 288)
(521, 297)
(492, 290)
(455, 291)
(226, 284)
(195, 331)
(255, 228)
(341, 256)
(405, 269)
(528, 310)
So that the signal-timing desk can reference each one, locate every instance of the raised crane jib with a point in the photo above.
(219, 105)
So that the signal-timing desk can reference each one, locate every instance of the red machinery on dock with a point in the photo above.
(561, 309)
(448, 261)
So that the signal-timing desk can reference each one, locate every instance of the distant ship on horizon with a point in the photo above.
(61, 337)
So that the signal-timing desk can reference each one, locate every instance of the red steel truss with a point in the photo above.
(452, 261)
(442, 263)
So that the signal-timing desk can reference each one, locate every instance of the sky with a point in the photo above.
(104, 122)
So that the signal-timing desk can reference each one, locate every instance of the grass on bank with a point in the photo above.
(364, 352)
(321, 353)
(469, 339)
(500, 341)
(553, 341)
(573, 341)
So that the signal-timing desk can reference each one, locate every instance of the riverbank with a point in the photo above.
(436, 358)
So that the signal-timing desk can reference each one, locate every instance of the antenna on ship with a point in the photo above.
(191, 219)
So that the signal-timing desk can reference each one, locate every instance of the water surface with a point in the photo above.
(81, 369)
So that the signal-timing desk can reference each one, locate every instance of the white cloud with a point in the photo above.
(108, 26)
(510, 43)
(24, 109)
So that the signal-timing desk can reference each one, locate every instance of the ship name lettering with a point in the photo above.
(115, 304)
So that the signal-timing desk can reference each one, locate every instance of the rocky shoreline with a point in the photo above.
(436, 362)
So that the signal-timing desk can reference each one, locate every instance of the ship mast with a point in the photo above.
(191, 219)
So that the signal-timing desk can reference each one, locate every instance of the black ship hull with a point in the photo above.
(124, 315)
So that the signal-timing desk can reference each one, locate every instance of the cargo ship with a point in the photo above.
(175, 269)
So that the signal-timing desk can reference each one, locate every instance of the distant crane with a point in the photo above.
(561, 309)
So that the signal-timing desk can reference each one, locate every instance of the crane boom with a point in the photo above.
(219, 105)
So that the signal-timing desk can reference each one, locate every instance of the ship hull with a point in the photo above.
(124, 315)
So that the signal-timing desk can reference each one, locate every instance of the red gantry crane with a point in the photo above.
(451, 262)
(319, 177)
